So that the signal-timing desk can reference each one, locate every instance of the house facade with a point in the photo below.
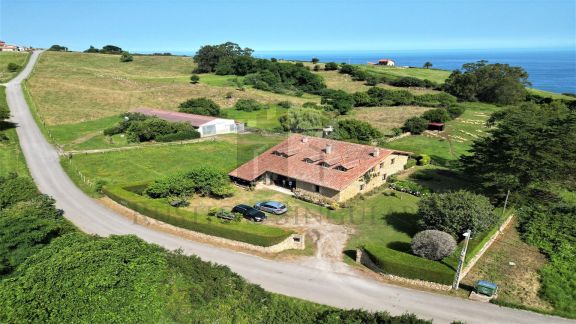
(205, 125)
(387, 62)
(333, 169)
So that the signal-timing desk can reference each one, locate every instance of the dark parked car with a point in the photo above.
(249, 212)
(273, 207)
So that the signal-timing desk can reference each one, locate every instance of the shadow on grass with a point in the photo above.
(440, 180)
(402, 222)
(350, 253)
(399, 246)
(4, 125)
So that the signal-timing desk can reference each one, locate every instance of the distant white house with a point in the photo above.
(205, 125)
(387, 62)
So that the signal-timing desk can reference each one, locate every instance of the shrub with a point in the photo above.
(347, 69)
(415, 125)
(456, 212)
(362, 99)
(126, 57)
(152, 128)
(355, 130)
(200, 106)
(248, 105)
(407, 187)
(14, 189)
(121, 127)
(316, 68)
(285, 104)
(315, 60)
(302, 119)
(338, 100)
(13, 67)
(372, 80)
(409, 164)
(205, 181)
(194, 78)
(423, 159)
(179, 136)
(331, 66)
(439, 115)
(396, 131)
(456, 111)
(413, 82)
(433, 245)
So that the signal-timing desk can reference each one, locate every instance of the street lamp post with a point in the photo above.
(456, 283)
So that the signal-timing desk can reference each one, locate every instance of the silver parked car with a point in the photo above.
(273, 207)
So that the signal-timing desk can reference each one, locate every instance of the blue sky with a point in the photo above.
(172, 25)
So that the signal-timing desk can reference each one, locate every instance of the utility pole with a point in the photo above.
(456, 283)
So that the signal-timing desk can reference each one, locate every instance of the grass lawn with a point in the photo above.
(386, 118)
(548, 94)
(150, 163)
(434, 75)
(19, 58)
(70, 88)
(455, 140)
(264, 119)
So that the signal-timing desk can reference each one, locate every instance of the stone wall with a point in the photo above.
(363, 258)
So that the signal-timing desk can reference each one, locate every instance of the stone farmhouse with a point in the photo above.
(333, 169)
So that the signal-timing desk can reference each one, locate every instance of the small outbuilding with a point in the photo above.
(436, 126)
(206, 125)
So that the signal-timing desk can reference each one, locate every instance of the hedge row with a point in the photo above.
(409, 266)
(256, 234)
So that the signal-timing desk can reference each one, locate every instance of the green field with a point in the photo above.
(19, 58)
(11, 158)
(434, 75)
(150, 163)
(455, 140)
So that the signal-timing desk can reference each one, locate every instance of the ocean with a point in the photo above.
(549, 69)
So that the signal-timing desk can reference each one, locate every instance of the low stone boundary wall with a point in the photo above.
(293, 242)
(487, 245)
(363, 258)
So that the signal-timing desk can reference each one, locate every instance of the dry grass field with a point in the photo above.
(74, 87)
(386, 118)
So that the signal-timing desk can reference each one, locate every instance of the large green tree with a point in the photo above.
(456, 212)
(208, 56)
(494, 83)
(338, 100)
(529, 145)
(356, 130)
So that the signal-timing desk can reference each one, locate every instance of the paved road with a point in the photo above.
(319, 283)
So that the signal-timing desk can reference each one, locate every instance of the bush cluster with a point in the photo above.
(376, 96)
(204, 181)
(355, 131)
(13, 67)
(413, 82)
(409, 187)
(200, 106)
(141, 128)
(303, 119)
(249, 105)
(331, 66)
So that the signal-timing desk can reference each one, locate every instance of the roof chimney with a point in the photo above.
(328, 148)
(376, 152)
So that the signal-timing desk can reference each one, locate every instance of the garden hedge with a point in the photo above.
(256, 234)
(409, 266)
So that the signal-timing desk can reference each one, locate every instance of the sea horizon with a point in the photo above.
(549, 69)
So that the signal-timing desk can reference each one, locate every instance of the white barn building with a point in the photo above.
(205, 125)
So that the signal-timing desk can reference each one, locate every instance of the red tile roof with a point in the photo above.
(357, 158)
(194, 120)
